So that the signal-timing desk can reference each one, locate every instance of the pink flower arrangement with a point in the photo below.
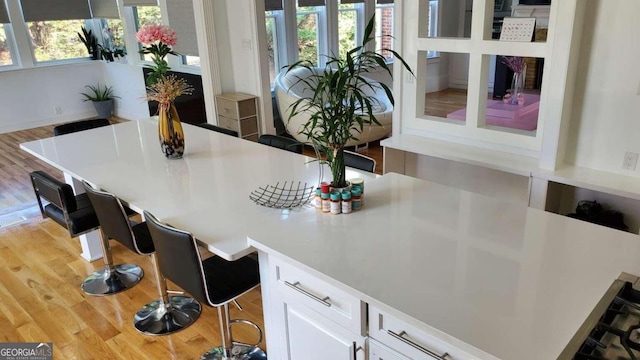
(151, 34)
(158, 41)
(515, 63)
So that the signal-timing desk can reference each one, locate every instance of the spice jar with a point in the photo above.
(317, 202)
(358, 183)
(356, 201)
(346, 202)
(326, 202)
(336, 203)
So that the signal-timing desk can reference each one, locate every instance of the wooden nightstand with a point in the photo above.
(239, 112)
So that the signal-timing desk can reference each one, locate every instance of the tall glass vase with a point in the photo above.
(170, 132)
(517, 86)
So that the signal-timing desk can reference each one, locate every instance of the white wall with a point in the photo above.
(128, 83)
(606, 121)
(28, 97)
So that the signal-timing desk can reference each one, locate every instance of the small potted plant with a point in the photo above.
(102, 98)
(339, 101)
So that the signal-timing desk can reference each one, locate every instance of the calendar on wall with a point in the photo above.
(518, 29)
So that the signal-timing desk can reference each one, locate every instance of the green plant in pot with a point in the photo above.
(102, 98)
(339, 100)
(90, 41)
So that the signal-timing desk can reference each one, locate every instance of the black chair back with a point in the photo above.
(358, 161)
(218, 129)
(79, 126)
(72, 212)
(53, 191)
(281, 142)
(114, 221)
(178, 257)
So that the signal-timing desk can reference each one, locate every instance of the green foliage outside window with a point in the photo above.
(5, 55)
(56, 40)
(308, 38)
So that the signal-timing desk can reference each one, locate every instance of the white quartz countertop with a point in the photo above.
(497, 279)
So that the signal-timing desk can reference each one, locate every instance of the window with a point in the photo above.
(6, 45)
(348, 36)
(433, 18)
(308, 18)
(384, 29)
(271, 21)
(146, 15)
(57, 39)
(111, 37)
(433, 25)
(190, 60)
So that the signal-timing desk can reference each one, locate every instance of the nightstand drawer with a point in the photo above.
(227, 108)
(238, 109)
(247, 126)
(228, 123)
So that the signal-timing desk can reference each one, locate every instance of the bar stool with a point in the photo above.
(214, 281)
(57, 202)
(115, 224)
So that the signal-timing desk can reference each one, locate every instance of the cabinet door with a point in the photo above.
(311, 336)
(378, 351)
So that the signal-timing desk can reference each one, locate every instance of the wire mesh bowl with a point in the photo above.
(290, 194)
(285, 196)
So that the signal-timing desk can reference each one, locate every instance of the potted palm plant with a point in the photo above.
(102, 98)
(340, 101)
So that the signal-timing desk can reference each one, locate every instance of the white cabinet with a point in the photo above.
(314, 320)
(311, 336)
(377, 351)
(410, 341)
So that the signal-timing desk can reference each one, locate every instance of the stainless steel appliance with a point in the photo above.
(612, 330)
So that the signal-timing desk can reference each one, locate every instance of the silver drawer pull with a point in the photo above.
(401, 337)
(296, 286)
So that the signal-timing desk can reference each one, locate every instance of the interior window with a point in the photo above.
(57, 40)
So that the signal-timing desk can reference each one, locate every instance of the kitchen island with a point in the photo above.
(483, 278)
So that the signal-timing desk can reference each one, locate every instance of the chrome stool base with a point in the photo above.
(238, 352)
(156, 318)
(105, 282)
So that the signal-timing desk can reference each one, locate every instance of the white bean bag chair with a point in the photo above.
(289, 90)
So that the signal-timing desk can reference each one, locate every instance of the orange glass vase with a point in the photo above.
(170, 132)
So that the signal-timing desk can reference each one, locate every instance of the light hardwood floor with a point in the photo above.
(41, 272)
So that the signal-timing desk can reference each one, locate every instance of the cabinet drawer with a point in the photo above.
(249, 126)
(236, 109)
(303, 288)
(410, 341)
(227, 108)
(228, 123)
